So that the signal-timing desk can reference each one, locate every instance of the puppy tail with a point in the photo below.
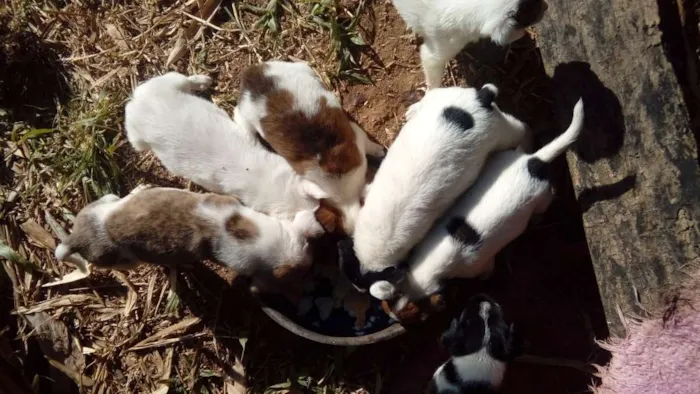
(560, 144)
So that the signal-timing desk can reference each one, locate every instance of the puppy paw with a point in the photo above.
(200, 82)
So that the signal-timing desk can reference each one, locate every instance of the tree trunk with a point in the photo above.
(635, 167)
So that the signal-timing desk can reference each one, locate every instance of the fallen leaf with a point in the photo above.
(66, 300)
(78, 378)
(60, 349)
(117, 35)
(166, 332)
(79, 273)
(11, 255)
(38, 234)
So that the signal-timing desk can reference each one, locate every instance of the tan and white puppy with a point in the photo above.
(288, 106)
(169, 226)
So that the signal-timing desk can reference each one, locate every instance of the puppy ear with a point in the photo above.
(330, 217)
(313, 190)
(383, 290)
(307, 224)
(463, 316)
(515, 344)
(448, 337)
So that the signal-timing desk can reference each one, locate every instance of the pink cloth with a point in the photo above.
(657, 357)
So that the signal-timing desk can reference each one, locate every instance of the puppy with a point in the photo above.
(287, 105)
(436, 157)
(169, 226)
(480, 343)
(447, 26)
(197, 140)
(491, 214)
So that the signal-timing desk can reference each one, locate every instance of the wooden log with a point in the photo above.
(635, 167)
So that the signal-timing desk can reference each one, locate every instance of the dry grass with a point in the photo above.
(73, 65)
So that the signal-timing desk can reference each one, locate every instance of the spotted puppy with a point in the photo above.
(491, 214)
(447, 26)
(288, 106)
(480, 343)
(168, 226)
(436, 157)
(197, 140)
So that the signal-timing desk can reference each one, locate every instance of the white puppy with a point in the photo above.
(435, 158)
(170, 226)
(447, 26)
(287, 105)
(491, 214)
(197, 140)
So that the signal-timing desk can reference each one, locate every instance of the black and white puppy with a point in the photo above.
(447, 26)
(480, 343)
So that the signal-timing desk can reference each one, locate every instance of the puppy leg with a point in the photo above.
(198, 83)
(371, 148)
(140, 188)
(191, 84)
(434, 55)
(108, 198)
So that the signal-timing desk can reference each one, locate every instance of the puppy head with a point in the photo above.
(482, 324)
(352, 268)
(337, 219)
(307, 224)
(286, 278)
(512, 18)
(409, 312)
(400, 305)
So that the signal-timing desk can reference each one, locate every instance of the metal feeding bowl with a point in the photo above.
(384, 334)
(328, 309)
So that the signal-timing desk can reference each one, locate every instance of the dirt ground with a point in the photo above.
(544, 279)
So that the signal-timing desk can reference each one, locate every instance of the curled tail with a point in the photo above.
(560, 144)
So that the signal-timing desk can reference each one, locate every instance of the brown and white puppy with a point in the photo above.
(288, 106)
(169, 226)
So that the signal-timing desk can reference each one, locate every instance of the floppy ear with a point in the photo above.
(307, 224)
(448, 337)
(463, 316)
(514, 343)
(313, 190)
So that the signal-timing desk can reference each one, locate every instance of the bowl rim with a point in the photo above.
(390, 332)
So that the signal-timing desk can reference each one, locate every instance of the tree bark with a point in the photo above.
(635, 167)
